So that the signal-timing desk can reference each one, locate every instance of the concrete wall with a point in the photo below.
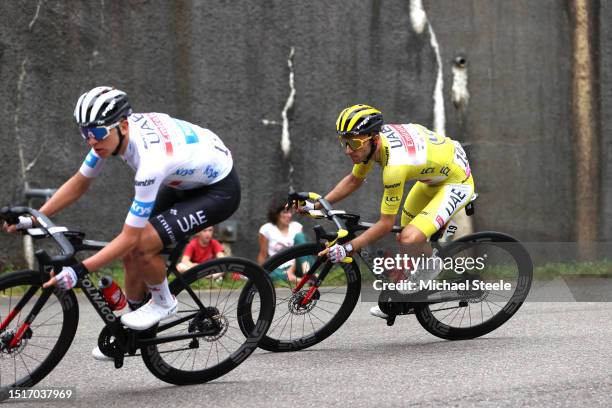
(224, 65)
(605, 90)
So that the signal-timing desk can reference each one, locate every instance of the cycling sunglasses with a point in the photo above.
(352, 142)
(98, 132)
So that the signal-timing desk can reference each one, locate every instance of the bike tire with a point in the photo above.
(166, 370)
(9, 295)
(517, 251)
(272, 342)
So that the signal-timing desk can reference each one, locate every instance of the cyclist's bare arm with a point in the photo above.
(344, 188)
(381, 228)
(67, 194)
(123, 243)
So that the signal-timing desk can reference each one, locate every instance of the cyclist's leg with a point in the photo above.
(135, 286)
(198, 209)
(412, 238)
(149, 263)
(447, 200)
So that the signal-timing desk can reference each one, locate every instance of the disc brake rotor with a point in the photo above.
(5, 339)
(295, 302)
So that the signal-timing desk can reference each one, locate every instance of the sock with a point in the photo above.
(137, 304)
(161, 293)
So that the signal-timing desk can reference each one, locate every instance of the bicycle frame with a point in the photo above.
(72, 242)
(348, 226)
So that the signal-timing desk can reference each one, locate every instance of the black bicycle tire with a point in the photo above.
(430, 323)
(353, 290)
(255, 273)
(70, 308)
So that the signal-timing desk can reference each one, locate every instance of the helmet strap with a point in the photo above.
(121, 137)
(373, 146)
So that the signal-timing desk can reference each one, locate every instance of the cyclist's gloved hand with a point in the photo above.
(67, 278)
(24, 223)
(336, 253)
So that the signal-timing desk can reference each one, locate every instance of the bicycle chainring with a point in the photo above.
(107, 344)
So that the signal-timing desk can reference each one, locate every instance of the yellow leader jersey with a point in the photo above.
(413, 152)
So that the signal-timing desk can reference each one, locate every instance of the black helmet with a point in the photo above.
(359, 120)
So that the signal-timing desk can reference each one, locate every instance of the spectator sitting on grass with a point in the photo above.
(280, 233)
(200, 249)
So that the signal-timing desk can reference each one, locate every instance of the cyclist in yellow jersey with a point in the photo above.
(405, 152)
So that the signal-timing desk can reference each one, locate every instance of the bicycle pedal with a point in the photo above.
(119, 361)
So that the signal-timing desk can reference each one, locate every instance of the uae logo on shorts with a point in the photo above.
(173, 211)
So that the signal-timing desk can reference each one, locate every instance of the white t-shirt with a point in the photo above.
(277, 241)
(166, 151)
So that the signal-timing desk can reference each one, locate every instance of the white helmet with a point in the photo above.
(101, 106)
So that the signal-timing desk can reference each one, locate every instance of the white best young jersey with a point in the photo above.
(166, 151)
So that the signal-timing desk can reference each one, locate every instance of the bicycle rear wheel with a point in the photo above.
(216, 345)
(297, 326)
(45, 340)
(481, 309)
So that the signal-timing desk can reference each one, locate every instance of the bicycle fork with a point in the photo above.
(23, 329)
(314, 280)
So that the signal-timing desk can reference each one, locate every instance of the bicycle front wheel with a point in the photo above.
(298, 324)
(213, 344)
(44, 340)
(495, 291)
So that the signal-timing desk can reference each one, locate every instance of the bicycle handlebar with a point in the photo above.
(11, 216)
(329, 213)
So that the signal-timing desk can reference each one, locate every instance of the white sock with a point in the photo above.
(161, 293)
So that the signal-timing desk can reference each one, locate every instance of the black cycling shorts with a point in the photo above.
(178, 214)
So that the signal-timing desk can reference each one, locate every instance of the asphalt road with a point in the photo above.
(548, 355)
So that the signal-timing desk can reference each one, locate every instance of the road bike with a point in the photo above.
(201, 343)
(466, 305)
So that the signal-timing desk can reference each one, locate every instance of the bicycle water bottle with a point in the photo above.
(112, 293)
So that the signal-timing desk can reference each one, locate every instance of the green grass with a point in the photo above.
(336, 277)
(601, 269)
(547, 271)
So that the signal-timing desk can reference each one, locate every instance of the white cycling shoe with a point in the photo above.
(149, 315)
(375, 311)
(100, 356)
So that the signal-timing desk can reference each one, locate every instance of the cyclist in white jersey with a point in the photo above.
(185, 181)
